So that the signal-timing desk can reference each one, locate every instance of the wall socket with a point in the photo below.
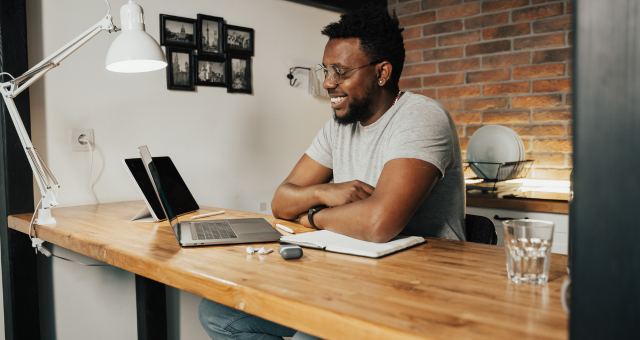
(76, 133)
(263, 206)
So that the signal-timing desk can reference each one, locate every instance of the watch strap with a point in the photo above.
(314, 210)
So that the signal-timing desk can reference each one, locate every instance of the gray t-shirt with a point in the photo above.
(415, 127)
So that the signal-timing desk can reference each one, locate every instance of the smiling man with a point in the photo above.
(394, 159)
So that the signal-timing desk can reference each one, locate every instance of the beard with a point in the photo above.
(358, 110)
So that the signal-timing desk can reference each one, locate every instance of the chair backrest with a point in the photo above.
(480, 229)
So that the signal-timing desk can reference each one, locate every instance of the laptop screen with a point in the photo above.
(162, 197)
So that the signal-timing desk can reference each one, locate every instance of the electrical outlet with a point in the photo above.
(263, 206)
(76, 145)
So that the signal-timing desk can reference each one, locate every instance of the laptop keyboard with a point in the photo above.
(212, 230)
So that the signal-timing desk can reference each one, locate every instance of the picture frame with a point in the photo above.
(239, 40)
(177, 31)
(210, 34)
(180, 70)
(211, 71)
(239, 74)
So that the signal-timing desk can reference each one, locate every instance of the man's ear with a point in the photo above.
(384, 70)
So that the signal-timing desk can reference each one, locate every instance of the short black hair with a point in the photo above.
(379, 33)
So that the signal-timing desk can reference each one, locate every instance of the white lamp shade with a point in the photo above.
(134, 50)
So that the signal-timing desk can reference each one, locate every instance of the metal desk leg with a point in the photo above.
(151, 306)
(19, 285)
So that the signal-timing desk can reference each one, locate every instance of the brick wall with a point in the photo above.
(502, 62)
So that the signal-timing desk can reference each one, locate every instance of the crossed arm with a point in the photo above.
(357, 209)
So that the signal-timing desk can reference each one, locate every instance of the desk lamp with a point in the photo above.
(133, 51)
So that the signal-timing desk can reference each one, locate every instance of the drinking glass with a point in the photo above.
(528, 247)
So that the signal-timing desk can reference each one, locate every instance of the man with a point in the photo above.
(394, 158)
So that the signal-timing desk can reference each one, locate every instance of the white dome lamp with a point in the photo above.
(134, 50)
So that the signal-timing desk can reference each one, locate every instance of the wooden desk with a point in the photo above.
(440, 290)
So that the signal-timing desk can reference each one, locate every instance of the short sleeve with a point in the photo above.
(321, 149)
(425, 134)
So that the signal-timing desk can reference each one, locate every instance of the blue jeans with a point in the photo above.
(226, 323)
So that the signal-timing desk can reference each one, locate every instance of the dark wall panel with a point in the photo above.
(19, 279)
(605, 292)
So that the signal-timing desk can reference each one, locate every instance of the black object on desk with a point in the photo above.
(178, 194)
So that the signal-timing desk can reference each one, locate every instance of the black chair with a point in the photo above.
(480, 229)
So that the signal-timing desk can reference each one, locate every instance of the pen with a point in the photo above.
(287, 229)
(210, 214)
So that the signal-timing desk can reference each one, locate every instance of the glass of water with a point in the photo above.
(528, 247)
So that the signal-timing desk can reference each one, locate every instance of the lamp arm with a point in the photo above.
(44, 177)
(24, 81)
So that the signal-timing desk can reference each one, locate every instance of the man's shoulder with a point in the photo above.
(418, 102)
(420, 111)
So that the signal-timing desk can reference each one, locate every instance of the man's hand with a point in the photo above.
(335, 195)
(304, 220)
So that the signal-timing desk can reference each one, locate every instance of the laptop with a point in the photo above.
(208, 232)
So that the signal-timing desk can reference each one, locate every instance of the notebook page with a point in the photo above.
(370, 249)
(338, 243)
(321, 238)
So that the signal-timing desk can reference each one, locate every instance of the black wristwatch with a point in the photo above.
(314, 210)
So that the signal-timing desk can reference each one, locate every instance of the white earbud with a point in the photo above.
(265, 251)
(251, 250)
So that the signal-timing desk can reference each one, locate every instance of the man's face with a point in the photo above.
(351, 99)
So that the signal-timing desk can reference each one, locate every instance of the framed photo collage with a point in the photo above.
(207, 52)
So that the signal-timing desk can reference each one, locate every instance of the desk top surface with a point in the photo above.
(439, 290)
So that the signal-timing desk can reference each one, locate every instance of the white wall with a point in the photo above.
(231, 149)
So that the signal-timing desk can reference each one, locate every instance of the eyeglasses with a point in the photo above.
(334, 72)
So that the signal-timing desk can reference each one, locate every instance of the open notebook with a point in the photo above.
(337, 243)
